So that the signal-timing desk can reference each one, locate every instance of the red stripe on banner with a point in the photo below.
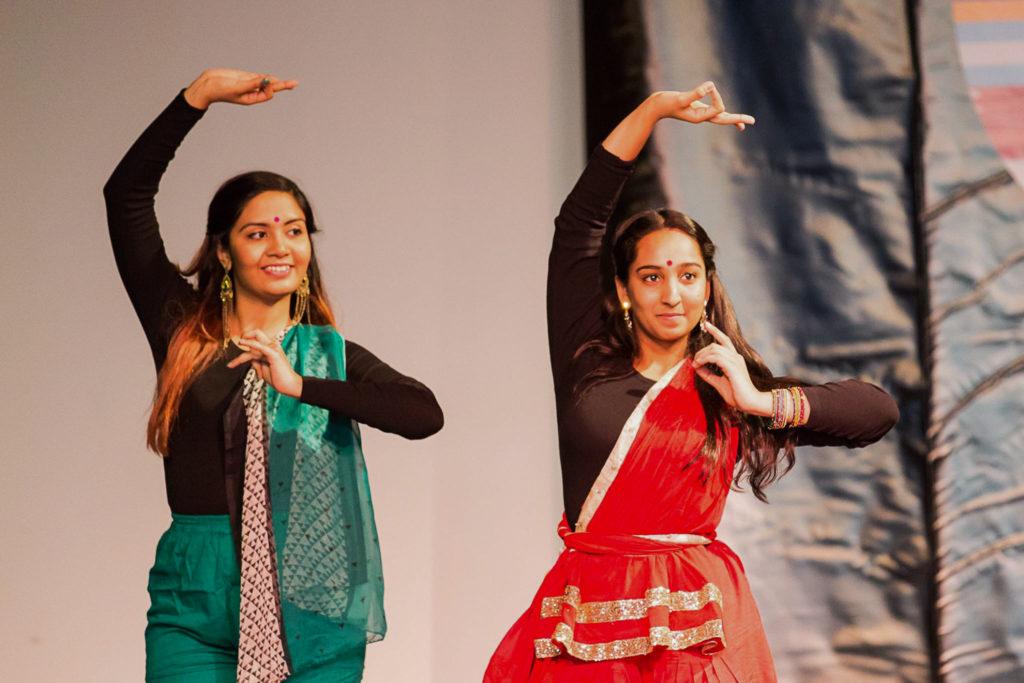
(1000, 110)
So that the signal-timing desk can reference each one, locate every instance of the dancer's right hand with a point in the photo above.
(630, 136)
(235, 86)
(687, 106)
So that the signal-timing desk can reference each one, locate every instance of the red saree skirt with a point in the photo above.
(642, 591)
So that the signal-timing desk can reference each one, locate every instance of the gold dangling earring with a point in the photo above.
(301, 300)
(626, 316)
(704, 320)
(227, 299)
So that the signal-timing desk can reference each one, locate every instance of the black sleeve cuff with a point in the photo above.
(181, 105)
(604, 157)
(321, 392)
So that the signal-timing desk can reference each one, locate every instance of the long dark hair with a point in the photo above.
(760, 456)
(197, 339)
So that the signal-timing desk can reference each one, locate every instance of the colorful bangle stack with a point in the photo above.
(788, 408)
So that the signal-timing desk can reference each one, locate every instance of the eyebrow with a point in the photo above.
(267, 225)
(653, 267)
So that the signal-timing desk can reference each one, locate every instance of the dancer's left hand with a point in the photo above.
(734, 383)
(267, 356)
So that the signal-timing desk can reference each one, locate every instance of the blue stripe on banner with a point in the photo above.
(976, 31)
(994, 75)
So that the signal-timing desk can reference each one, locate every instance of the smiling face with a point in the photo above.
(667, 287)
(268, 247)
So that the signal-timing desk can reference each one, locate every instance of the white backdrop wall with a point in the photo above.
(435, 141)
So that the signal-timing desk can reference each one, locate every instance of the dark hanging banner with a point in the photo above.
(865, 228)
(972, 229)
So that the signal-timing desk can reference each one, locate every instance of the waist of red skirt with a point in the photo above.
(615, 595)
(605, 543)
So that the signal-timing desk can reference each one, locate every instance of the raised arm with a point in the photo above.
(153, 283)
(156, 288)
(574, 293)
(574, 272)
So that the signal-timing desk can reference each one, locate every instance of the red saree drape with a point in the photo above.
(619, 606)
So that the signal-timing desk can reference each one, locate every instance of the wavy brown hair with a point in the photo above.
(197, 341)
(762, 461)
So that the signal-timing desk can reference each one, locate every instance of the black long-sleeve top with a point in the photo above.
(847, 413)
(373, 393)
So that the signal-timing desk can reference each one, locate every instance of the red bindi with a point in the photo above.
(670, 263)
(276, 219)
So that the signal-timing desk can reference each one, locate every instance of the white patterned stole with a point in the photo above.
(261, 657)
(621, 449)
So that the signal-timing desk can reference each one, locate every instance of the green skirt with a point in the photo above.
(192, 623)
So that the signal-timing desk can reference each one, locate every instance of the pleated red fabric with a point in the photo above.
(617, 606)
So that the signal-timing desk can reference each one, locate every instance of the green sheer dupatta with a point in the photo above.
(328, 557)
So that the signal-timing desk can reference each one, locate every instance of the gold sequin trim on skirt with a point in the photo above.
(628, 647)
(636, 608)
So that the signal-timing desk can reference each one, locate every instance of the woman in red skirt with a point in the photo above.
(662, 404)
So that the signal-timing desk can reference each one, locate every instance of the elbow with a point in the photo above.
(434, 424)
(887, 413)
(119, 184)
(113, 197)
(884, 417)
(430, 421)
(111, 188)
(890, 415)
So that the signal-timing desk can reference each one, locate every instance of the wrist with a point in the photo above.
(194, 94)
(789, 407)
(761, 405)
(296, 387)
(650, 110)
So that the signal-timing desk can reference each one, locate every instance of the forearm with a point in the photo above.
(138, 174)
(404, 408)
(130, 193)
(847, 413)
(632, 133)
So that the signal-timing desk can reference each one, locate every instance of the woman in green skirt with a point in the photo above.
(271, 567)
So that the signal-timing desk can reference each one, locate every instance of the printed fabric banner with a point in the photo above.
(866, 228)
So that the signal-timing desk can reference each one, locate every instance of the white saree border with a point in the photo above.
(621, 449)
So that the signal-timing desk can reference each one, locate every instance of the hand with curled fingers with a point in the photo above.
(687, 106)
(235, 86)
(734, 384)
(267, 356)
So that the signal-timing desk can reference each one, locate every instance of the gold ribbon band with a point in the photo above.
(628, 647)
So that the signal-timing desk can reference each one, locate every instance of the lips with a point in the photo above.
(278, 270)
(672, 318)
